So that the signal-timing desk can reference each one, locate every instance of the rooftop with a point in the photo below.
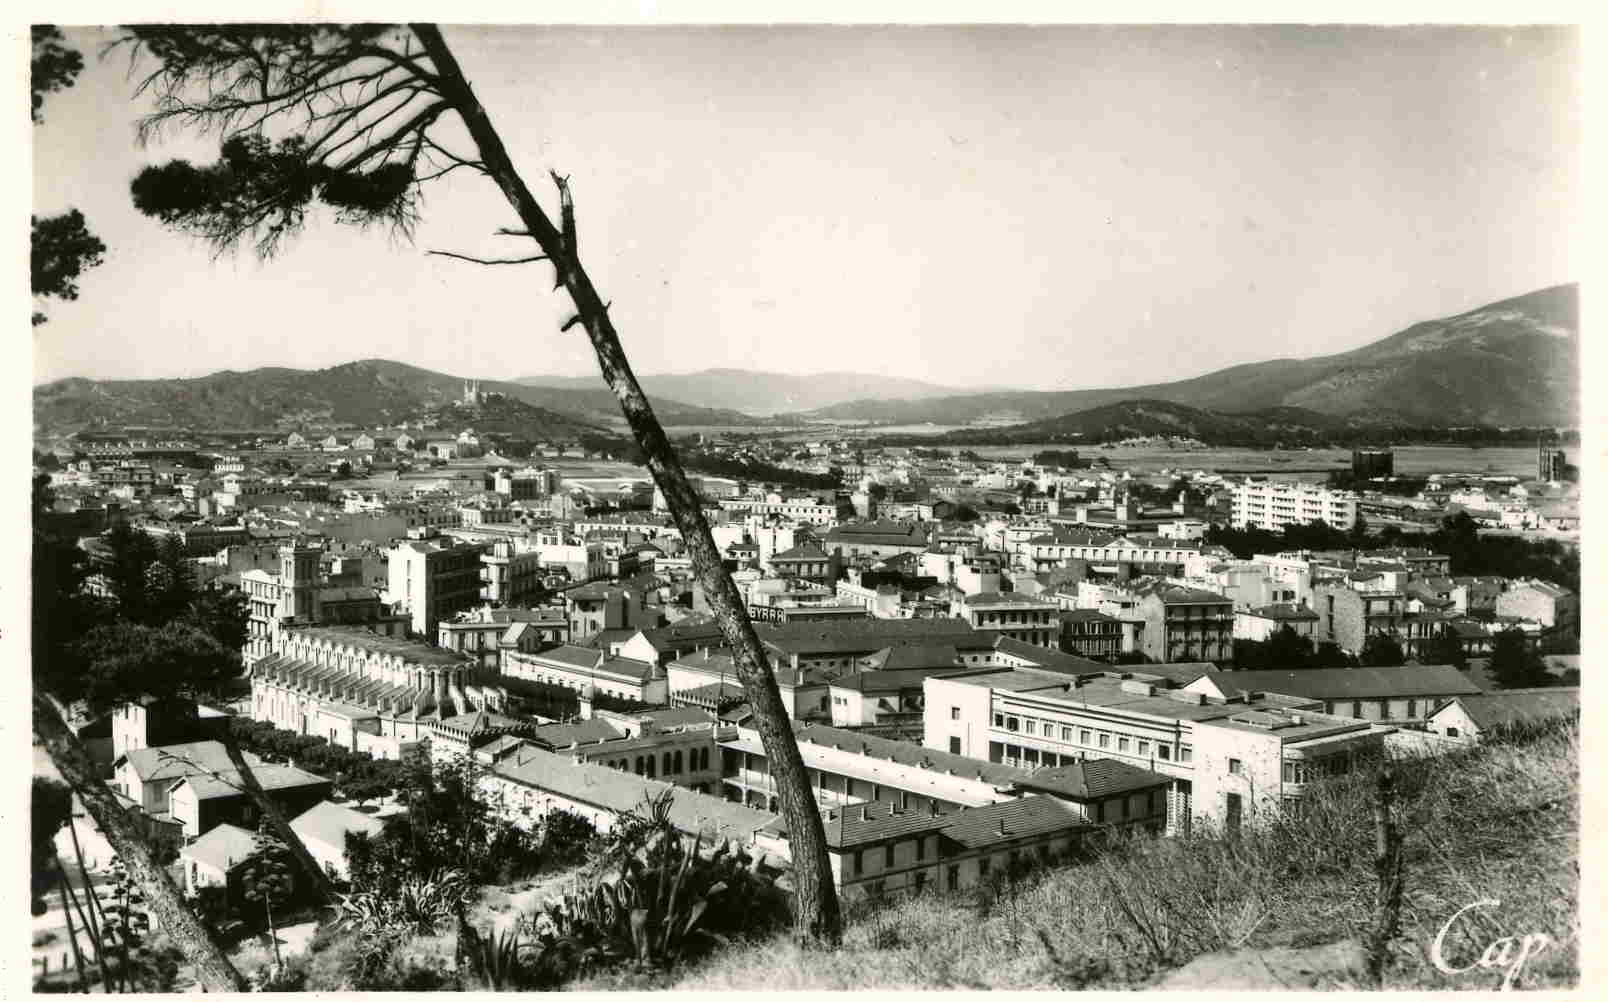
(329, 823)
(1092, 779)
(224, 847)
(1350, 683)
(1023, 817)
(1512, 707)
(410, 651)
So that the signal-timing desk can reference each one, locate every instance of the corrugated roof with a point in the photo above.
(1091, 779)
(619, 792)
(180, 760)
(1511, 707)
(1350, 683)
(1025, 817)
(269, 777)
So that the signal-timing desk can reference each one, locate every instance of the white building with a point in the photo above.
(1272, 505)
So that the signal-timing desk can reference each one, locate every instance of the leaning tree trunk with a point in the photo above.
(817, 915)
(321, 884)
(212, 967)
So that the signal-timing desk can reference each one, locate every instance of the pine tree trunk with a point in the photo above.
(212, 967)
(322, 886)
(817, 915)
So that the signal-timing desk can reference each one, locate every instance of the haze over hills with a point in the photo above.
(368, 393)
(1514, 362)
(767, 393)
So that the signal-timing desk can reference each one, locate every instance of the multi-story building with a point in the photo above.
(1029, 619)
(369, 692)
(1186, 624)
(1091, 633)
(508, 576)
(589, 671)
(1349, 617)
(1372, 464)
(876, 539)
(1408, 694)
(431, 580)
(299, 594)
(1271, 504)
(806, 562)
(807, 510)
(1553, 606)
(485, 633)
(594, 608)
(1264, 621)
(1231, 761)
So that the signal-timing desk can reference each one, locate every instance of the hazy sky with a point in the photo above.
(1049, 207)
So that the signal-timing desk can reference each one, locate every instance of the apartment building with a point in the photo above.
(1185, 624)
(806, 510)
(1232, 761)
(1408, 694)
(588, 670)
(1349, 617)
(1026, 618)
(1272, 505)
(430, 580)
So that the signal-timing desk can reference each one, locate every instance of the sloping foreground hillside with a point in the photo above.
(1283, 909)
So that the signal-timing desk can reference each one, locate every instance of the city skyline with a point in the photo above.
(868, 199)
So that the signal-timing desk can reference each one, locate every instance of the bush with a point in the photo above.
(657, 900)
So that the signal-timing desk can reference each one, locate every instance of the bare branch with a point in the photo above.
(566, 215)
(571, 322)
(489, 260)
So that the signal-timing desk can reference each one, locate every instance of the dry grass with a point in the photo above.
(1500, 822)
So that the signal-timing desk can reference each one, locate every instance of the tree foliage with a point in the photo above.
(63, 248)
(55, 66)
(1515, 663)
(1381, 650)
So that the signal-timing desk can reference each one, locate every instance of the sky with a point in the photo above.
(1035, 207)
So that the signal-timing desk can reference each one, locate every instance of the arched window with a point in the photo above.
(639, 765)
(667, 760)
(678, 763)
(650, 767)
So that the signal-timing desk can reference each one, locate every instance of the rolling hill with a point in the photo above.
(1511, 363)
(1157, 418)
(766, 393)
(369, 393)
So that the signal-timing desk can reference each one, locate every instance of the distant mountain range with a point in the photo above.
(1512, 363)
(766, 393)
(370, 393)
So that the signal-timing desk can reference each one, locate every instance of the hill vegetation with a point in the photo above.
(1290, 905)
(766, 393)
(367, 394)
(1514, 362)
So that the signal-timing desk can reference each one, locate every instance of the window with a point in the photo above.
(1186, 753)
(1236, 767)
(1066, 734)
(1085, 736)
(982, 866)
(1289, 772)
(1029, 725)
(996, 752)
(999, 720)
(954, 746)
(1412, 708)
(921, 849)
(1451, 732)
(1105, 739)
(954, 878)
(1144, 747)
(954, 713)
(1122, 743)
(1012, 724)
(1384, 709)
(887, 857)
(859, 863)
